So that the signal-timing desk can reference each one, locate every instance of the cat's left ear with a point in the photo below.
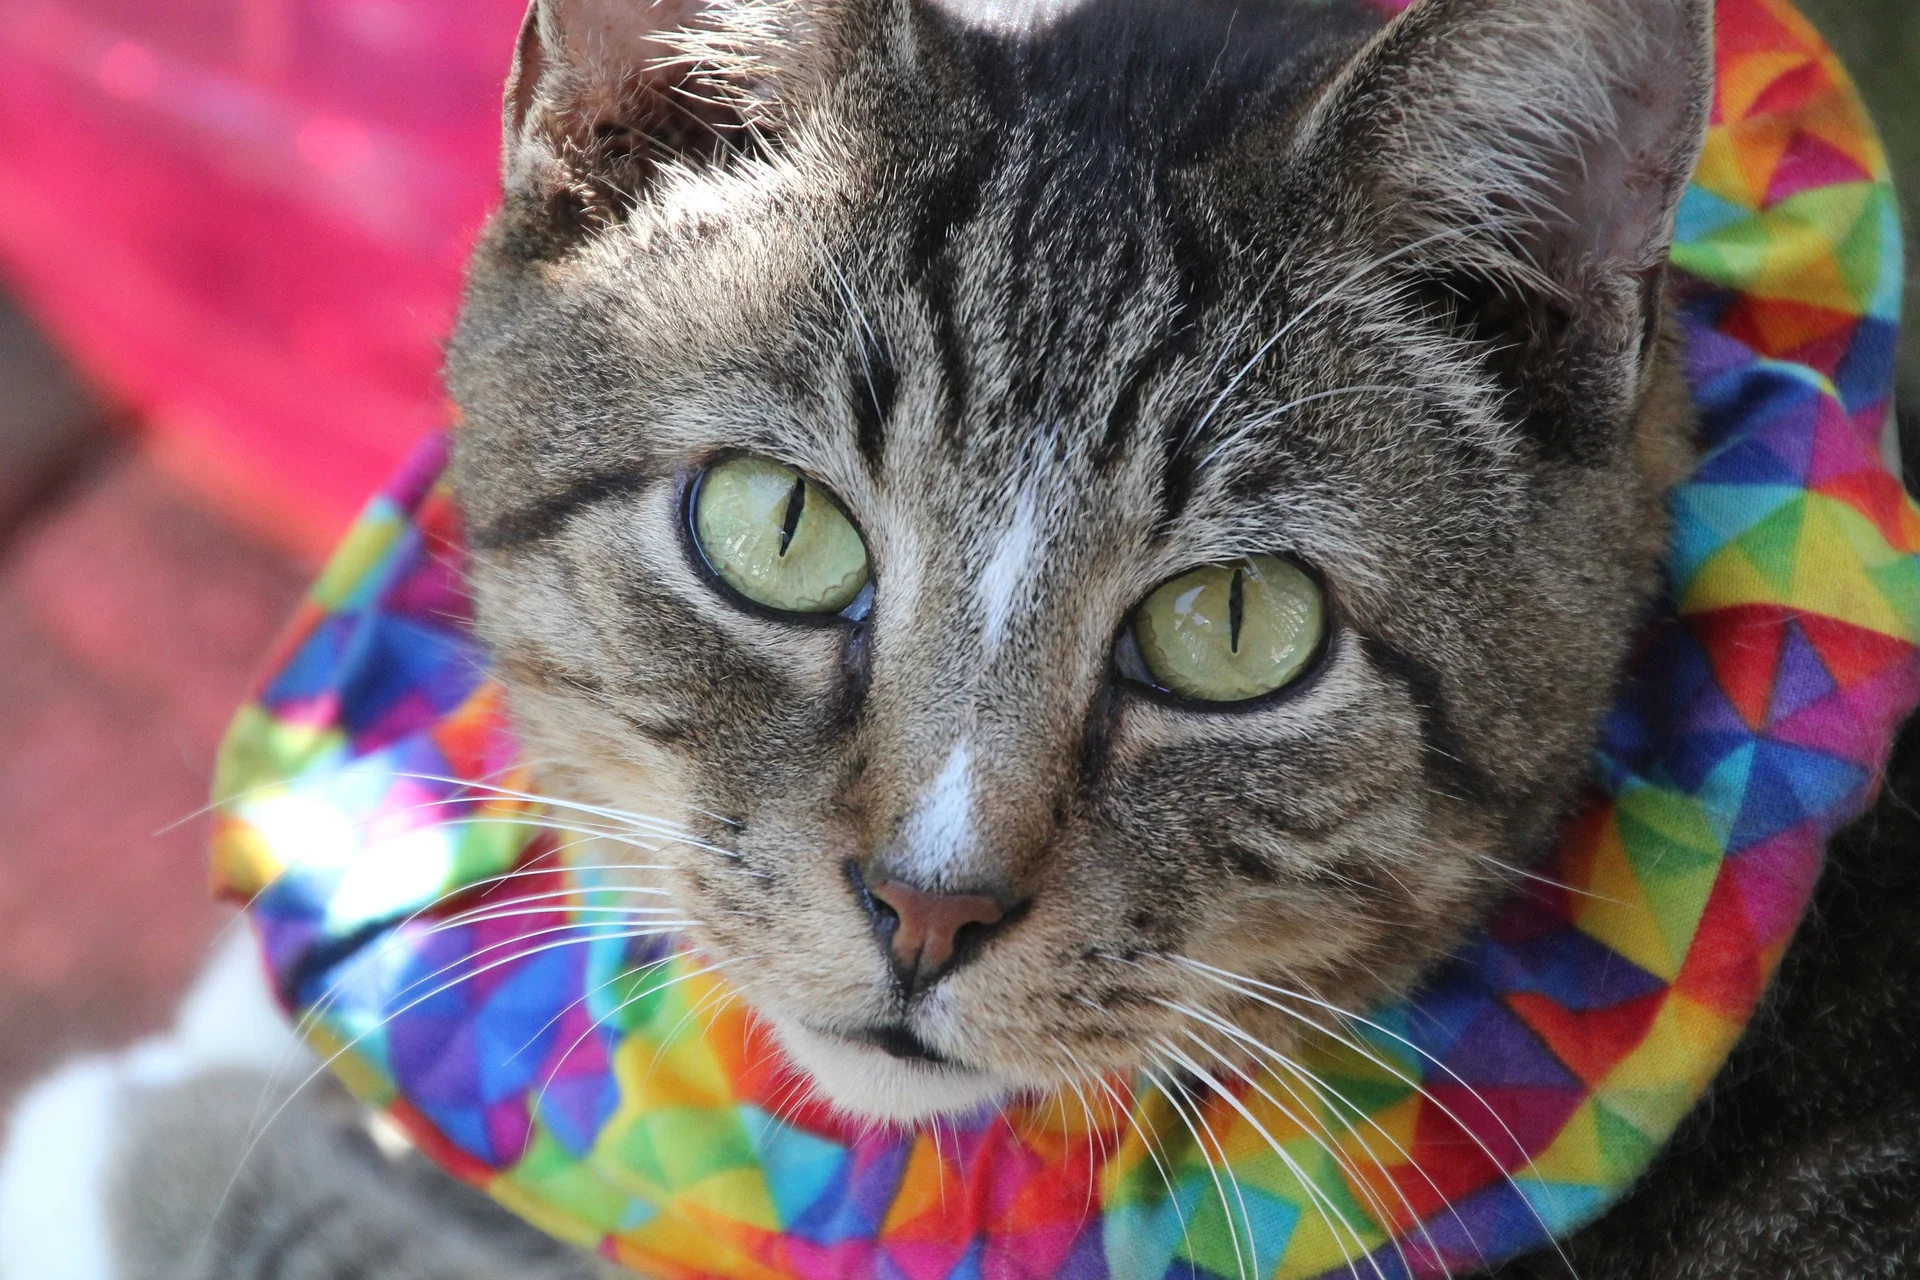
(1526, 158)
(604, 95)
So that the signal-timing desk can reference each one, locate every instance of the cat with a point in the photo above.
(1222, 452)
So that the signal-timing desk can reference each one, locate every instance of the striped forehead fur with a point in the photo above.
(1057, 309)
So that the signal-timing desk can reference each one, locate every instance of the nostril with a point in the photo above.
(925, 933)
(880, 915)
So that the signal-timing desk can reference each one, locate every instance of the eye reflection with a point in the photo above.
(1233, 631)
(777, 538)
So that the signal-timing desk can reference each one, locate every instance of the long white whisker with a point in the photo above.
(632, 971)
(1212, 1167)
(645, 991)
(1240, 1036)
(1233, 981)
(1151, 1145)
(1323, 1203)
(221, 1204)
(535, 797)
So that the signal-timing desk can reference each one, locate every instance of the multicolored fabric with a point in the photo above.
(602, 1086)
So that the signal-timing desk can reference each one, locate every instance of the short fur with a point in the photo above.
(1059, 311)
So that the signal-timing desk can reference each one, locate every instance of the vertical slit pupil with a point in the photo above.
(1236, 609)
(796, 503)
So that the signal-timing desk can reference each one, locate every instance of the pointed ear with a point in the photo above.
(1539, 148)
(604, 93)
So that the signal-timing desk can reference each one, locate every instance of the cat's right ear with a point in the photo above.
(1520, 164)
(605, 95)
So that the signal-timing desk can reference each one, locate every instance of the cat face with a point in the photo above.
(1030, 320)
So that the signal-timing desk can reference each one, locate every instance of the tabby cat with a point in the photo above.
(1055, 502)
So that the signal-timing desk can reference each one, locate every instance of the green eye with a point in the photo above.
(1229, 632)
(777, 538)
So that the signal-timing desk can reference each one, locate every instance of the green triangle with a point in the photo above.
(1624, 1150)
(1678, 906)
(1650, 1110)
(1665, 833)
(1368, 1095)
(1857, 206)
(1899, 584)
(1732, 255)
(1269, 1194)
(690, 1144)
(550, 1174)
(634, 1151)
(1729, 510)
(259, 750)
(1772, 544)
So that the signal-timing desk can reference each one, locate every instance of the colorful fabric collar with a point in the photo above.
(602, 1088)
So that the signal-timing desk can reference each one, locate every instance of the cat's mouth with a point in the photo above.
(887, 1071)
(898, 1040)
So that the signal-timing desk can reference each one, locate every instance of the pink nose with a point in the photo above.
(926, 927)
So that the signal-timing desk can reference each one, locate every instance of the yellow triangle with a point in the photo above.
(1280, 1114)
(1615, 911)
(671, 1245)
(1314, 1248)
(1727, 578)
(1720, 172)
(1574, 1155)
(682, 1074)
(1799, 265)
(244, 860)
(736, 1195)
(1656, 1084)
(364, 1081)
(370, 538)
(1837, 544)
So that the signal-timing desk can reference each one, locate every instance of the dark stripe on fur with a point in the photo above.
(544, 517)
(1448, 764)
(947, 202)
(1178, 466)
(876, 382)
(936, 289)
(1124, 416)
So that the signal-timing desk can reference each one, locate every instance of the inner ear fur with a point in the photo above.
(1522, 162)
(604, 94)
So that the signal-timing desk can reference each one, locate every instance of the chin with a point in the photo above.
(873, 1084)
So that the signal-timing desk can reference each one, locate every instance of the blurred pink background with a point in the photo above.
(246, 220)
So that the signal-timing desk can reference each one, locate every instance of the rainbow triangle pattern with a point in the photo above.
(603, 1086)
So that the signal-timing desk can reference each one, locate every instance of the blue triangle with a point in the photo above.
(1564, 1205)
(1702, 214)
(805, 1174)
(1142, 1238)
(1770, 804)
(1800, 680)
(1820, 782)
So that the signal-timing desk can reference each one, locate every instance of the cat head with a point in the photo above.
(1110, 528)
